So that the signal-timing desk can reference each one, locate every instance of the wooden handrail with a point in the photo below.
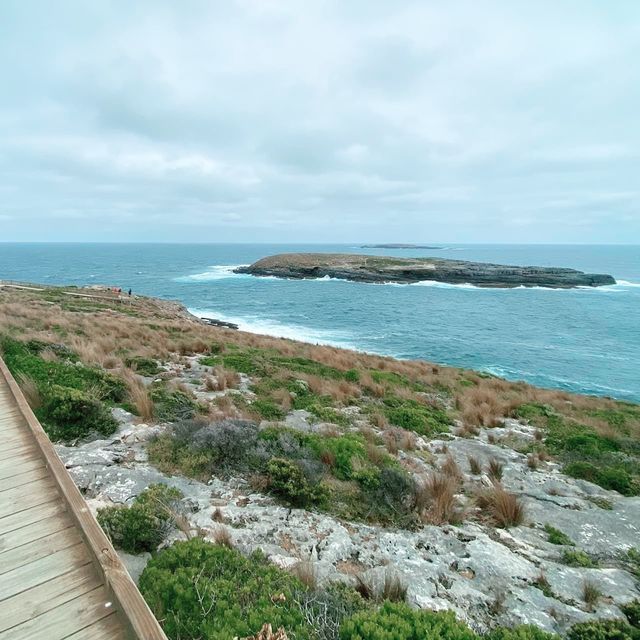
(134, 613)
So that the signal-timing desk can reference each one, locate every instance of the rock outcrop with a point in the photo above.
(362, 268)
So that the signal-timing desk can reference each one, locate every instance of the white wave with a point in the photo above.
(214, 272)
(626, 283)
(270, 327)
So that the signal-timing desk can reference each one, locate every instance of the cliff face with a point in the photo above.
(407, 270)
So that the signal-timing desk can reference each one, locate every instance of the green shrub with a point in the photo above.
(632, 561)
(287, 480)
(144, 366)
(632, 611)
(342, 451)
(397, 621)
(577, 558)
(602, 630)
(172, 405)
(211, 592)
(555, 536)
(268, 409)
(143, 525)
(608, 477)
(68, 413)
(64, 373)
(521, 632)
(415, 416)
(352, 375)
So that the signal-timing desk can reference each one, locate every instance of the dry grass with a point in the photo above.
(393, 588)
(591, 594)
(305, 571)
(496, 470)
(532, 461)
(474, 465)
(398, 439)
(450, 468)
(435, 499)
(505, 509)
(163, 331)
(218, 516)
(139, 395)
(30, 391)
(222, 536)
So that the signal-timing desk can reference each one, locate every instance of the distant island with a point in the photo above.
(363, 268)
(398, 246)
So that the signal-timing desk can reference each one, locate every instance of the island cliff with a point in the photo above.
(363, 268)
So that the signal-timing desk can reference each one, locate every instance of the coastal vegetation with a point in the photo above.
(355, 437)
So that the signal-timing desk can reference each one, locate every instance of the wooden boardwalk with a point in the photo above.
(59, 575)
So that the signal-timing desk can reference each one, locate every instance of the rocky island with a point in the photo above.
(363, 268)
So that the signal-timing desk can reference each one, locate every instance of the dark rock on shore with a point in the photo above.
(363, 268)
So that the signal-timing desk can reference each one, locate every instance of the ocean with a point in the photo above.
(582, 340)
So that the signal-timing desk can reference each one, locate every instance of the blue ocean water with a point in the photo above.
(584, 340)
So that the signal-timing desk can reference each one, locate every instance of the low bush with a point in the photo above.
(143, 366)
(172, 404)
(68, 413)
(632, 611)
(206, 591)
(396, 621)
(578, 558)
(25, 358)
(143, 525)
(288, 481)
(521, 632)
(415, 416)
(555, 536)
(602, 630)
(268, 409)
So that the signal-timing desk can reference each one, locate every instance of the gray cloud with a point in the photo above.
(267, 120)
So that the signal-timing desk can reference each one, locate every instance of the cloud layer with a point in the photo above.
(266, 120)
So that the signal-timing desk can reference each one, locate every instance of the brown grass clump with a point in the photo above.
(30, 391)
(590, 594)
(393, 588)
(450, 468)
(398, 439)
(435, 499)
(504, 508)
(474, 465)
(222, 536)
(217, 515)
(139, 395)
(305, 571)
(496, 470)
(532, 461)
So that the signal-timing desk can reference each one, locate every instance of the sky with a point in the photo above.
(320, 121)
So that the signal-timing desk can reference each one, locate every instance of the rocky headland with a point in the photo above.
(380, 269)
(501, 502)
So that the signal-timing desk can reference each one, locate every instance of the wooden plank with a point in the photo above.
(22, 451)
(10, 463)
(17, 499)
(31, 575)
(34, 531)
(106, 629)
(29, 516)
(18, 440)
(134, 612)
(47, 596)
(25, 465)
(64, 620)
(37, 549)
(24, 478)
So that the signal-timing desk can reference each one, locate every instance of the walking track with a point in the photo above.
(59, 575)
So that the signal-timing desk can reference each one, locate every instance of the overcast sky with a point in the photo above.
(267, 120)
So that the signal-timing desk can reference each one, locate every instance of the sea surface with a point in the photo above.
(583, 340)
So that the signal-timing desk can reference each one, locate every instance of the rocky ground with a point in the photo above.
(487, 575)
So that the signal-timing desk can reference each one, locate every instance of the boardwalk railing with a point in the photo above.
(28, 454)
